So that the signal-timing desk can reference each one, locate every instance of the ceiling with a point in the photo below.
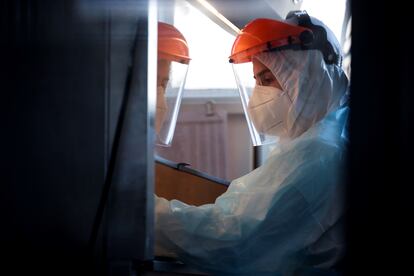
(240, 12)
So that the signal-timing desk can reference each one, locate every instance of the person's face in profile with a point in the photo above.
(163, 74)
(263, 75)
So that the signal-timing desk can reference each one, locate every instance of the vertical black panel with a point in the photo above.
(54, 143)
(59, 105)
(381, 129)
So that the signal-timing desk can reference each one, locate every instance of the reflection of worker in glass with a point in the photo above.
(173, 61)
(163, 76)
(284, 218)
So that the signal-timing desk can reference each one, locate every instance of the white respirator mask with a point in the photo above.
(268, 108)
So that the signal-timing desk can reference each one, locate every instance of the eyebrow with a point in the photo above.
(261, 73)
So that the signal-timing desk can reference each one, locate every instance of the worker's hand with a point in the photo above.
(162, 206)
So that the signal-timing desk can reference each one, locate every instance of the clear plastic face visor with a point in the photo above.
(171, 78)
(256, 111)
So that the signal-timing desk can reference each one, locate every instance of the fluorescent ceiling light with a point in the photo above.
(230, 27)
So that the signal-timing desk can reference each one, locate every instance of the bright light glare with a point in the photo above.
(210, 48)
(330, 12)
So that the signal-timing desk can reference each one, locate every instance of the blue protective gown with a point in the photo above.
(283, 218)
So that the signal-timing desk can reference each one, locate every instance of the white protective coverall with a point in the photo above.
(286, 216)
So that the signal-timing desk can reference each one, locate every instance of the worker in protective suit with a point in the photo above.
(173, 60)
(285, 217)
